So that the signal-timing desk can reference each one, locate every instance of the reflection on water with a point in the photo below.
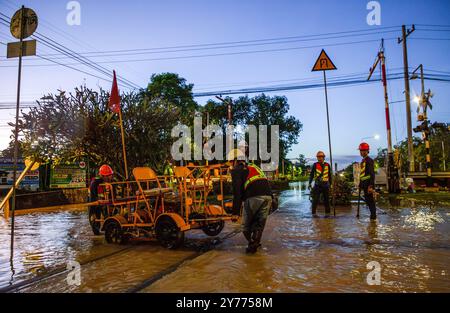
(303, 254)
(299, 254)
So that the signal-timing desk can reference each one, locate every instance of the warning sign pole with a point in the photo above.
(324, 64)
(328, 121)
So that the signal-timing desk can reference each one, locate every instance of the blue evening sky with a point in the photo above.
(356, 111)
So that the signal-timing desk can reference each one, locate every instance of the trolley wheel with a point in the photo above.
(213, 229)
(95, 225)
(114, 233)
(168, 233)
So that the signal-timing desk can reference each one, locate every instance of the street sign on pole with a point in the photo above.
(23, 24)
(24, 18)
(324, 64)
(28, 49)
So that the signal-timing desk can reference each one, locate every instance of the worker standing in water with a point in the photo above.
(367, 179)
(97, 192)
(321, 175)
(251, 187)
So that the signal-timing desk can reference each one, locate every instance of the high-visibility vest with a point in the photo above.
(254, 173)
(362, 173)
(325, 169)
(101, 190)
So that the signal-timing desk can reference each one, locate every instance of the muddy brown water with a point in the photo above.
(410, 242)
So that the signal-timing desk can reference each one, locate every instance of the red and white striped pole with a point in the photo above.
(386, 102)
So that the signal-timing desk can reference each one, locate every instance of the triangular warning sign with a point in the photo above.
(323, 63)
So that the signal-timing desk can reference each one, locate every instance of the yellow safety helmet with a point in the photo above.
(235, 154)
(29, 162)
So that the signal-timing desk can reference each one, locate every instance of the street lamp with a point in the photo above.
(424, 102)
(376, 137)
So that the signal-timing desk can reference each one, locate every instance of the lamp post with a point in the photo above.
(423, 103)
(230, 140)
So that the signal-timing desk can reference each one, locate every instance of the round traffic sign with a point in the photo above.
(26, 17)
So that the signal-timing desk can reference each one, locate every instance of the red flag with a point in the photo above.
(114, 99)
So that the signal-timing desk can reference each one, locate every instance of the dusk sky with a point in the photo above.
(355, 111)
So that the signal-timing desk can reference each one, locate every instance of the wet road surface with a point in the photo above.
(300, 254)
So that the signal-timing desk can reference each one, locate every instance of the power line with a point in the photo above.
(300, 87)
(255, 41)
(46, 24)
(432, 25)
(219, 54)
(61, 48)
(49, 42)
(142, 51)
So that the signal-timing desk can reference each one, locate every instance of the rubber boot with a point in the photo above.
(256, 243)
(248, 236)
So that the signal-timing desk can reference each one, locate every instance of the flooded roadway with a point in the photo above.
(300, 254)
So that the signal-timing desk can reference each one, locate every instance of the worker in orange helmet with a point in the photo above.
(321, 175)
(97, 192)
(367, 179)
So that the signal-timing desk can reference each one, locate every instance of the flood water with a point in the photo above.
(410, 243)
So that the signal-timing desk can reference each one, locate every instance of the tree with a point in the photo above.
(259, 110)
(440, 147)
(68, 127)
(438, 135)
(302, 162)
(174, 90)
(380, 159)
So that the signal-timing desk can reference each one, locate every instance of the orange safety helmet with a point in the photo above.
(320, 153)
(105, 170)
(364, 147)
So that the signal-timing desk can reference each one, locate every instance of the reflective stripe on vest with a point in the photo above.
(254, 173)
(320, 169)
(362, 175)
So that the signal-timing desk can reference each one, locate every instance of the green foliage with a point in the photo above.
(342, 190)
(68, 127)
(348, 173)
(78, 125)
(302, 162)
(380, 159)
(259, 110)
(171, 88)
(436, 138)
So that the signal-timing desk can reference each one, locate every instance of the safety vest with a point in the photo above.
(362, 172)
(100, 188)
(254, 173)
(322, 171)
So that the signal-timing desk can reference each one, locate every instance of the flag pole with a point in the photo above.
(124, 151)
(114, 104)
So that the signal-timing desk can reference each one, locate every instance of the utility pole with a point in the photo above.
(424, 103)
(443, 155)
(405, 34)
(392, 171)
(230, 139)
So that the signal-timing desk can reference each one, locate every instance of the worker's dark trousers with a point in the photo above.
(98, 210)
(256, 210)
(321, 188)
(370, 201)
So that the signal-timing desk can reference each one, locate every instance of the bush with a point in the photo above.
(342, 191)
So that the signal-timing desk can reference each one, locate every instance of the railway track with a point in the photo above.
(53, 273)
(203, 247)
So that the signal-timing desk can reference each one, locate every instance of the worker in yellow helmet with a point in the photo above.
(321, 175)
(251, 187)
